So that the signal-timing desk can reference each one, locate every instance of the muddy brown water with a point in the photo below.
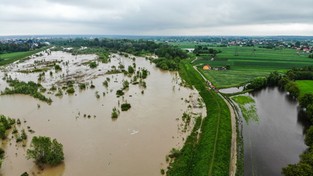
(135, 144)
(276, 139)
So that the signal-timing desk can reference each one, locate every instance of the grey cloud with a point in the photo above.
(146, 16)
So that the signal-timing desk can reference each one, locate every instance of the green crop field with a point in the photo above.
(249, 64)
(12, 57)
(305, 86)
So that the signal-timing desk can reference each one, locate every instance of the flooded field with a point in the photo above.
(231, 90)
(136, 143)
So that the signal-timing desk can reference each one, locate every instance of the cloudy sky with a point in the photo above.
(157, 17)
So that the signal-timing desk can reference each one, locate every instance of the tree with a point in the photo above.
(309, 112)
(273, 78)
(300, 169)
(283, 82)
(292, 88)
(306, 100)
(309, 137)
(297, 44)
(257, 84)
(125, 84)
(131, 70)
(125, 106)
(93, 64)
(45, 151)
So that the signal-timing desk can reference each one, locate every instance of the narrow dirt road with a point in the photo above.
(233, 153)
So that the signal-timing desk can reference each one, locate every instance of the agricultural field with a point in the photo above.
(12, 57)
(247, 63)
(305, 86)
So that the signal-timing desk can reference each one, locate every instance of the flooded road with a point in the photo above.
(134, 144)
(276, 139)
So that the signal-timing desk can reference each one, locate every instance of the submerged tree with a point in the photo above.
(45, 151)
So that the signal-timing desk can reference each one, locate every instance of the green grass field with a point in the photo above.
(248, 65)
(210, 153)
(12, 57)
(305, 86)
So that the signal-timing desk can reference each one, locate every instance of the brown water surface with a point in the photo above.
(135, 144)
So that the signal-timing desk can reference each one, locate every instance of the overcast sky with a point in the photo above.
(157, 17)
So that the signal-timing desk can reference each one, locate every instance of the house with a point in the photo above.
(207, 67)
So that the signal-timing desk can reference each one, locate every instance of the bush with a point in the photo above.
(115, 113)
(82, 86)
(1, 156)
(131, 70)
(45, 151)
(293, 89)
(93, 64)
(257, 84)
(125, 106)
(119, 93)
(57, 68)
(70, 90)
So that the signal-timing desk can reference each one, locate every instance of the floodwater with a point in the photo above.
(134, 144)
(276, 139)
(231, 90)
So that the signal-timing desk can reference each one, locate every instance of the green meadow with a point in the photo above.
(305, 86)
(247, 63)
(12, 57)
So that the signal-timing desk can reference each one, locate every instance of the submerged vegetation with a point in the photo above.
(115, 113)
(45, 151)
(29, 88)
(6, 123)
(125, 106)
(247, 106)
(169, 55)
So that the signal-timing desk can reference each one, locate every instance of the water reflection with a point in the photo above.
(47, 171)
(277, 139)
(303, 120)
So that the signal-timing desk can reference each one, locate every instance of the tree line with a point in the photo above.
(283, 81)
(18, 47)
(168, 56)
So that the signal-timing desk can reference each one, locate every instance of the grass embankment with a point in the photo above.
(305, 86)
(249, 64)
(247, 107)
(9, 58)
(210, 153)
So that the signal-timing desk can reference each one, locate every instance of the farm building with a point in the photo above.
(207, 67)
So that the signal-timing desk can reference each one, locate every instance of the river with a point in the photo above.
(136, 143)
(277, 138)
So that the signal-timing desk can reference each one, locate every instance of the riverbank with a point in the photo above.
(210, 153)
